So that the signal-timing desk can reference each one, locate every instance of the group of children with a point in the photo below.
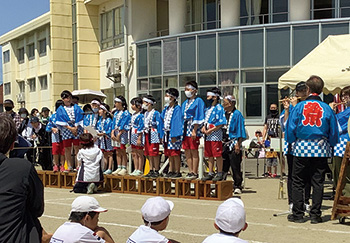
(175, 127)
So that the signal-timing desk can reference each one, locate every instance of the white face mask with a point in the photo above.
(188, 94)
(95, 110)
(23, 115)
(167, 100)
(38, 115)
(144, 106)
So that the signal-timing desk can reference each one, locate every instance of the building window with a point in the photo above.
(7, 88)
(21, 86)
(263, 11)
(6, 56)
(112, 28)
(344, 8)
(42, 47)
(202, 15)
(323, 9)
(252, 97)
(20, 55)
(32, 85)
(31, 51)
(43, 82)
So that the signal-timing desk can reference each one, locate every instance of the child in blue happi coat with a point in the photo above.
(121, 127)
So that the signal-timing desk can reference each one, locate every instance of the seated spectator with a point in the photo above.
(230, 221)
(82, 226)
(21, 192)
(155, 215)
(90, 158)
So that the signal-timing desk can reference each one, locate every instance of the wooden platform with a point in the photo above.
(167, 187)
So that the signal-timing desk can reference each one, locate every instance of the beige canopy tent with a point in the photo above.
(330, 60)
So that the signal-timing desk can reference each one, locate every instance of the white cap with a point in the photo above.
(156, 209)
(84, 204)
(230, 216)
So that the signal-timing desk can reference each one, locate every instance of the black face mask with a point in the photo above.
(274, 112)
(8, 108)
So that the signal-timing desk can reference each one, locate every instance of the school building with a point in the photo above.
(137, 47)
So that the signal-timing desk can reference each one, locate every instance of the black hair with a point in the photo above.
(192, 83)
(87, 108)
(150, 97)
(229, 233)
(9, 100)
(66, 94)
(124, 104)
(8, 133)
(78, 216)
(137, 101)
(172, 91)
(215, 90)
(153, 223)
(86, 140)
(108, 114)
(23, 110)
(33, 111)
(58, 104)
(75, 97)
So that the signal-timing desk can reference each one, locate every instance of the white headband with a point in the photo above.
(95, 102)
(230, 98)
(212, 94)
(190, 87)
(172, 96)
(148, 100)
(103, 108)
(118, 100)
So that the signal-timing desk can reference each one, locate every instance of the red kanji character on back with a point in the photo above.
(313, 114)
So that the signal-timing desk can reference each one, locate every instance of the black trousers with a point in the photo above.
(290, 182)
(233, 160)
(304, 169)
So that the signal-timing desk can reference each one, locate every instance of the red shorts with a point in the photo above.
(68, 143)
(57, 148)
(151, 149)
(189, 143)
(213, 149)
(136, 147)
(122, 146)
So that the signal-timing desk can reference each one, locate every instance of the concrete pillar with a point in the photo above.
(177, 16)
(299, 10)
(230, 13)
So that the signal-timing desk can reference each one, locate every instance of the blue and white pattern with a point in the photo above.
(90, 120)
(67, 134)
(172, 119)
(70, 112)
(55, 137)
(121, 122)
(312, 148)
(167, 118)
(193, 113)
(339, 149)
(137, 127)
(214, 116)
(104, 125)
(153, 126)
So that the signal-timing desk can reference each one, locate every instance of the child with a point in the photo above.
(136, 135)
(193, 116)
(230, 221)
(271, 159)
(90, 157)
(56, 140)
(69, 119)
(153, 131)
(214, 121)
(104, 128)
(155, 215)
(121, 126)
(91, 116)
(171, 116)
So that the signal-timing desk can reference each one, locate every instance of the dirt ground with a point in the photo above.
(192, 220)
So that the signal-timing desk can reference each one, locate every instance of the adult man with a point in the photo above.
(21, 192)
(313, 128)
(271, 129)
(9, 105)
(234, 133)
(83, 224)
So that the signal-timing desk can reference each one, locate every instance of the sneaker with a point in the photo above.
(90, 188)
(237, 191)
(55, 168)
(218, 177)
(316, 219)
(284, 174)
(139, 173)
(274, 175)
(189, 175)
(61, 168)
(307, 208)
(116, 171)
(176, 175)
(150, 174)
(194, 176)
(122, 172)
(291, 207)
(155, 174)
(133, 173)
(107, 172)
(208, 177)
(169, 174)
(292, 218)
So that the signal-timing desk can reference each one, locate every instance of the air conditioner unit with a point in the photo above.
(113, 67)
(20, 97)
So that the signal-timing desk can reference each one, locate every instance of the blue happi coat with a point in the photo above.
(155, 128)
(313, 128)
(90, 120)
(137, 127)
(121, 121)
(104, 125)
(55, 137)
(192, 115)
(215, 116)
(172, 128)
(63, 119)
(236, 127)
(343, 118)
(287, 147)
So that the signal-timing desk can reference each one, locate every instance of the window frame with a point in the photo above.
(30, 55)
(41, 83)
(29, 81)
(20, 55)
(7, 88)
(41, 52)
(6, 56)
(115, 39)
